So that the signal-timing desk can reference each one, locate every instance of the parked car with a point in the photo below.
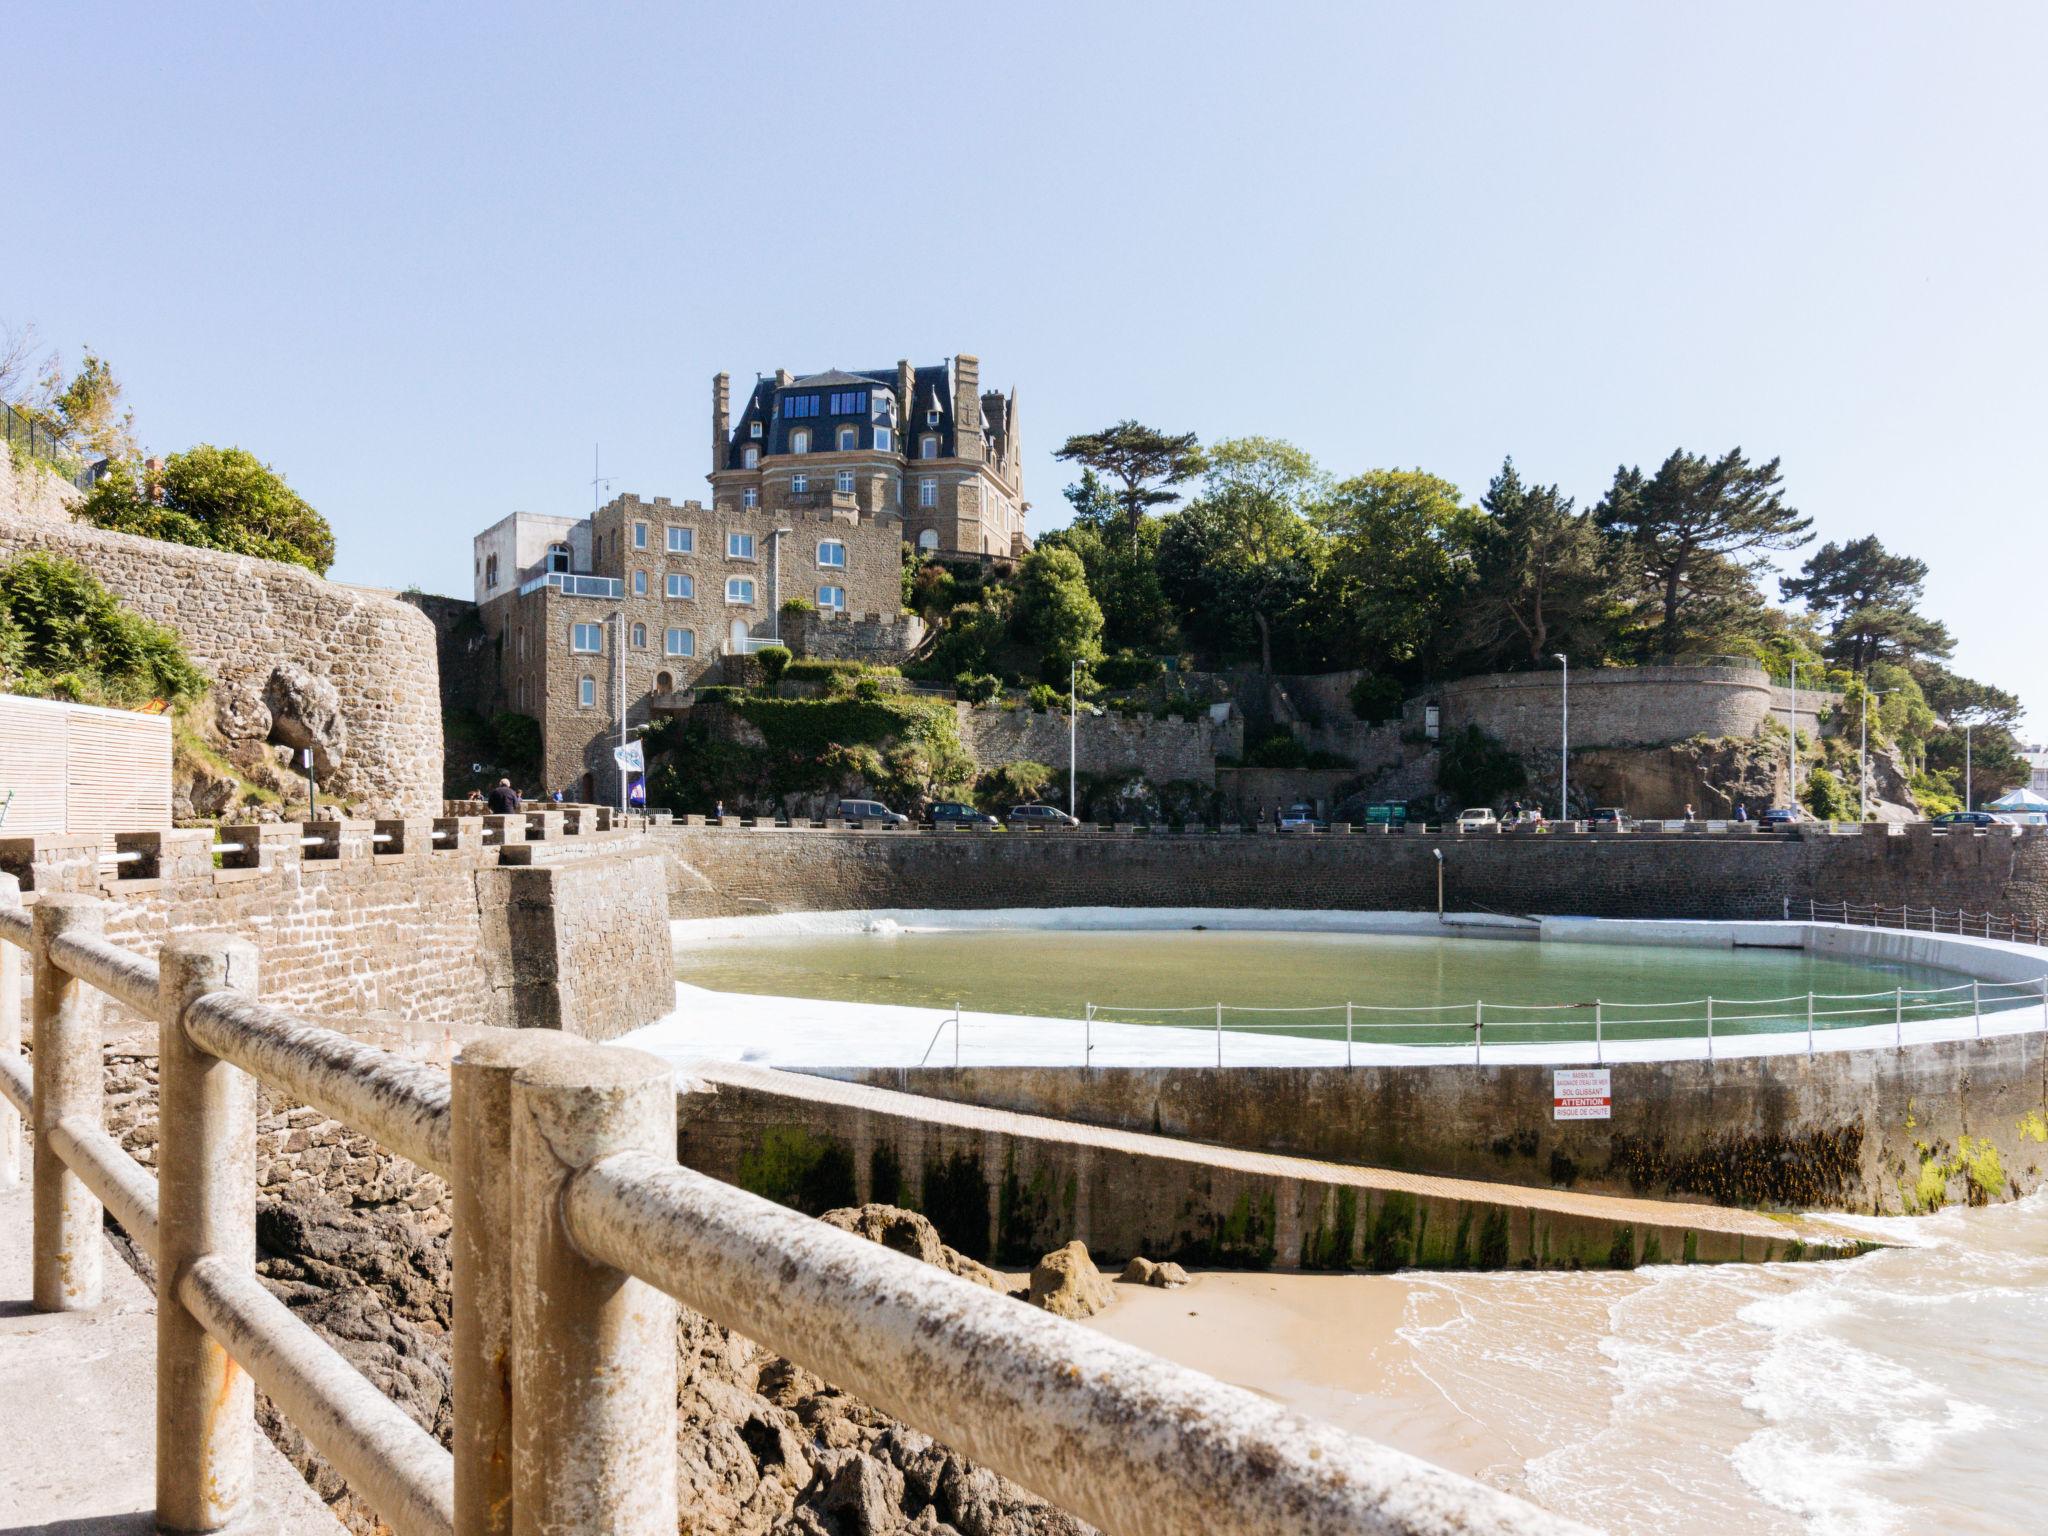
(1609, 816)
(870, 810)
(1478, 818)
(1035, 815)
(1967, 819)
(1781, 816)
(1299, 817)
(951, 813)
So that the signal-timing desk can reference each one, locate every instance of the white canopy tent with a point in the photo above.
(2021, 805)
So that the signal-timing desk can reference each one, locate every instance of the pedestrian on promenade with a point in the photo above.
(1688, 815)
(504, 799)
(720, 812)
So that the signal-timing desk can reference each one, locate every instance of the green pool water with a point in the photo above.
(1529, 991)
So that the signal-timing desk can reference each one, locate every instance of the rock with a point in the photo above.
(239, 711)
(1142, 1271)
(909, 1233)
(1066, 1283)
(306, 712)
(865, 1495)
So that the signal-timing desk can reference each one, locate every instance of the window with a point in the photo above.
(832, 599)
(586, 692)
(586, 639)
(639, 583)
(849, 439)
(800, 405)
(928, 447)
(927, 491)
(882, 440)
(799, 483)
(750, 497)
(639, 535)
(845, 482)
(490, 573)
(682, 541)
(739, 546)
(931, 418)
(681, 586)
(800, 440)
(682, 642)
(832, 554)
(739, 589)
(663, 683)
(751, 458)
(928, 540)
(639, 637)
(754, 429)
(558, 557)
(849, 402)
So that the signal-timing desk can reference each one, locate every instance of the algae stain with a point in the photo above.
(2033, 1127)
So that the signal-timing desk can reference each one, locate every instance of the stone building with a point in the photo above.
(605, 618)
(926, 444)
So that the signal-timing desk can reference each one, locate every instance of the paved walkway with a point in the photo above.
(77, 1456)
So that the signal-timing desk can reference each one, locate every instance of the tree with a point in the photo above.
(1543, 583)
(217, 498)
(1145, 462)
(1400, 563)
(1055, 611)
(1869, 600)
(87, 407)
(1974, 739)
(1243, 556)
(1694, 532)
(1122, 574)
(63, 635)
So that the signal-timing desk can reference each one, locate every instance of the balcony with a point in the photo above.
(576, 586)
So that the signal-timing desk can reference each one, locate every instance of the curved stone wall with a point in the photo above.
(1623, 706)
(240, 617)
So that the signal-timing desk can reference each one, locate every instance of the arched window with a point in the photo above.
(751, 458)
(491, 573)
(558, 557)
(832, 599)
(639, 637)
(928, 447)
(663, 683)
(739, 589)
(849, 439)
(928, 540)
(586, 692)
(800, 440)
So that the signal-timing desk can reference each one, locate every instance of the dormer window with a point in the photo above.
(883, 442)
(754, 430)
(931, 418)
(800, 441)
(928, 447)
(849, 439)
(751, 459)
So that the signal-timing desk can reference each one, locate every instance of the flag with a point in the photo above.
(630, 758)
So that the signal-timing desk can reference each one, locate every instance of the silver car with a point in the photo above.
(869, 810)
(1035, 815)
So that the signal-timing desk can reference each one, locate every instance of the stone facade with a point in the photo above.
(1163, 751)
(683, 585)
(31, 493)
(239, 618)
(923, 443)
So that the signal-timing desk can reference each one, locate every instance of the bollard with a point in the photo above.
(206, 1202)
(10, 1038)
(593, 1350)
(480, 1259)
(68, 1084)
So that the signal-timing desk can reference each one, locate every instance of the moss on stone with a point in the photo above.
(794, 1167)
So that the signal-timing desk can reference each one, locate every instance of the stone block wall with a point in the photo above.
(882, 640)
(240, 617)
(1618, 706)
(465, 654)
(1164, 751)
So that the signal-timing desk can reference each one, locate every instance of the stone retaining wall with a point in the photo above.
(1164, 751)
(240, 617)
(1620, 706)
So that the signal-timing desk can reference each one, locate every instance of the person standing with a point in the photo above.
(503, 799)
(1688, 815)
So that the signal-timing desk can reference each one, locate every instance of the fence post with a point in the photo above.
(1219, 1034)
(206, 1203)
(593, 1350)
(1899, 1018)
(1478, 1029)
(1809, 1026)
(1088, 1035)
(1977, 1006)
(10, 1038)
(1347, 1034)
(480, 1261)
(1597, 1045)
(956, 1036)
(1710, 1029)
(68, 1083)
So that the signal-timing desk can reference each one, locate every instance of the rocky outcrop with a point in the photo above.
(1067, 1284)
(912, 1234)
(305, 712)
(1142, 1271)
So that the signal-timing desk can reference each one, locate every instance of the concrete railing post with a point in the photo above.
(10, 1038)
(206, 1200)
(481, 1191)
(68, 1084)
(593, 1350)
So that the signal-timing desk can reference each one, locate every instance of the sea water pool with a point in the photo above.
(1406, 988)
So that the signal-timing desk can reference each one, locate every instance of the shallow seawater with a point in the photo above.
(1145, 976)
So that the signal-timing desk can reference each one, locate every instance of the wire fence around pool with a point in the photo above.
(1598, 1023)
(1965, 924)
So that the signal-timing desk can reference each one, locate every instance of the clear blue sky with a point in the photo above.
(422, 257)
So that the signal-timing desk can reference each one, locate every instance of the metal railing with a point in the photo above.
(575, 1234)
(1598, 1023)
(576, 586)
(27, 435)
(1969, 925)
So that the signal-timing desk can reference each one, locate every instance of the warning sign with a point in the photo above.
(1582, 1093)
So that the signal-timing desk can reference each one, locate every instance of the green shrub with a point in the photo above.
(1280, 750)
(798, 604)
(977, 687)
(64, 636)
(773, 659)
(516, 738)
(1376, 698)
(1045, 698)
(1010, 784)
(1129, 669)
(1475, 769)
(816, 669)
(1828, 797)
(217, 498)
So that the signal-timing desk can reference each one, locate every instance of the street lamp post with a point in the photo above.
(1969, 782)
(775, 538)
(619, 672)
(1073, 727)
(1792, 734)
(1564, 755)
(1439, 883)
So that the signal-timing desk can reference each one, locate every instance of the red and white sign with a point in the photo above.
(1582, 1093)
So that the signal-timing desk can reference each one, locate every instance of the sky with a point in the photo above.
(425, 259)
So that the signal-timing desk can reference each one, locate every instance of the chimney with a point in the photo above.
(782, 378)
(721, 419)
(967, 407)
(906, 380)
